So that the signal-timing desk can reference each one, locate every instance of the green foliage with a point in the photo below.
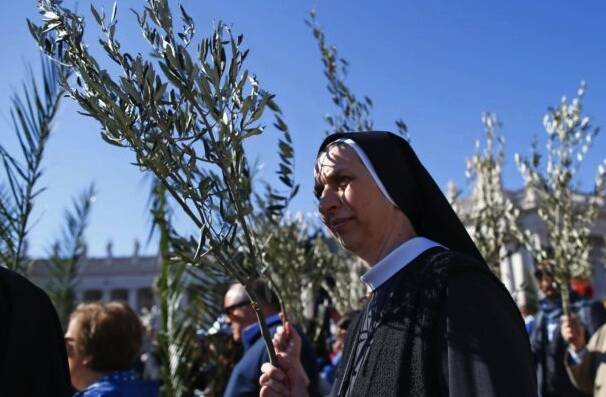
(301, 263)
(353, 114)
(289, 261)
(567, 212)
(186, 123)
(306, 266)
(493, 218)
(176, 341)
(188, 299)
(62, 266)
(344, 288)
(32, 116)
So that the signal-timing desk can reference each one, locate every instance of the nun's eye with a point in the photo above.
(318, 191)
(343, 182)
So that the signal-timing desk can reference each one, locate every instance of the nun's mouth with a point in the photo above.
(338, 223)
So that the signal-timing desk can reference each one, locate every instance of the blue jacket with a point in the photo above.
(120, 384)
(244, 379)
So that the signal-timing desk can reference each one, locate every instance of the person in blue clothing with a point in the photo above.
(244, 379)
(548, 346)
(328, 372)
(103, 341)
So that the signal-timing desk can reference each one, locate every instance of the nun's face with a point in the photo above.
(351, 204)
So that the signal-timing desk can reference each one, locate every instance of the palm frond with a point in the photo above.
(32, 115)
(188, 299)
(67, 251)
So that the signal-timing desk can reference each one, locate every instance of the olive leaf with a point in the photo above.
(353, 114)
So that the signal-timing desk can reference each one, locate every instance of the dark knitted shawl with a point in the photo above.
(406, 350)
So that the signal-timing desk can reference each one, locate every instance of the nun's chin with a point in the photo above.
(348, 241)
(344, 232)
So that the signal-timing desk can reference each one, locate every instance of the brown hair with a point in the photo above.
(110, 333)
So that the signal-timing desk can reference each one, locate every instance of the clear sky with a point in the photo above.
(436, 64)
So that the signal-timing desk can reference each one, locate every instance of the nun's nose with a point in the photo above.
(328, 201)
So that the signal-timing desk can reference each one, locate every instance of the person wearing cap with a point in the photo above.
(438, 322)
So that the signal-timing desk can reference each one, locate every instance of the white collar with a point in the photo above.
(396, 260)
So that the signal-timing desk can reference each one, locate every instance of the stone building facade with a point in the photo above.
(517, 269)
(126, 278)
(131, 278)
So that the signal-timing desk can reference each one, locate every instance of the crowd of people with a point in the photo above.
(437, 321)
(103, 342)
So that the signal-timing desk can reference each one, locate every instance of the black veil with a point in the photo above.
(412, 188)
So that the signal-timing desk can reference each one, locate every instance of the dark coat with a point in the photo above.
(33, 361)
(448, 328)
(244, 379)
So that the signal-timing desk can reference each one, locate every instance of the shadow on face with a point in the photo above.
(353, 207)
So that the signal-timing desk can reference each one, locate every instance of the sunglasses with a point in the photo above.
(229, 310)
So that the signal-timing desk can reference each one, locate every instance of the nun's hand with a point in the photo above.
(289, 379)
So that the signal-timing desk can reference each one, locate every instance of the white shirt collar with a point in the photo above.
(396, 260)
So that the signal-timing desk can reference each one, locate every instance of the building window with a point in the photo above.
(145, 298)
(119, 295)
(92, 295)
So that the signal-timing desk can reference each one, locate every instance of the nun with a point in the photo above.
(33, 360)
(438, 322)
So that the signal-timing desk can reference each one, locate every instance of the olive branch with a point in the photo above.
(185, 115)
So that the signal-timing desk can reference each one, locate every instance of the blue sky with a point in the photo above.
(436, 64)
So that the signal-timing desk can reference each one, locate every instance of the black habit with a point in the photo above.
(33, 361)
(444, 325)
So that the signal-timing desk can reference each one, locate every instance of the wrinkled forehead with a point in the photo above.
(346, 155)
(336, 155)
